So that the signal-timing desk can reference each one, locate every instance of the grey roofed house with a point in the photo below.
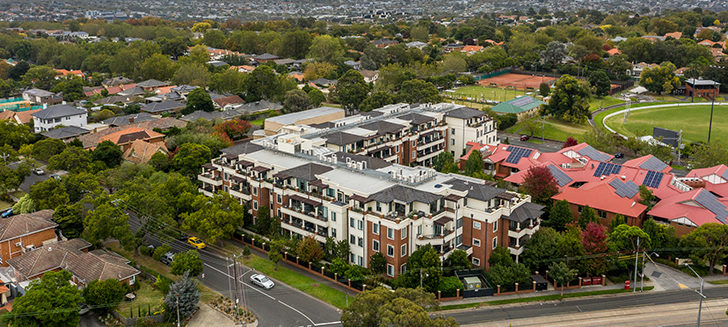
(693, 81)
(323, 125)
(58, 111)
(416, 44)
(266, 56)
(528, 210)
(129, 119)
(383, 127)
(114, 99)
(242, 148)
(343, 138)
(404, 194)
(372, 163)
(384, 41)
(65, 132)
(353, 64)
(151, 83)
(211, 116)
(262, 105)
(476, 191)
(183, 88)
(164, 106)
(324, 81)
(285, 61)
(132, 91)
(217, 63)
(39, 93)
(464, 113)
(114, 81)
(306, 172)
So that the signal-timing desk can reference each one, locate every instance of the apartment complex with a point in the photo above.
(376, 205)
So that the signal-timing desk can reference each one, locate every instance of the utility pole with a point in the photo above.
(543, 128)
(712, 103)
(695, 78)
(245, 304)
(679, 146)
(177, 310)
(636, 257)
(700, 307)
(235, 272)
(230, 286)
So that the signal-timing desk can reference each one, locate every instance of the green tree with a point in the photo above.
(459, 259)
(708, 243)
(662, 236)
(216, 218)
(192, 73)
(296, 44)
(654, 79)
(160, 162)
(108, 221)
(709, 154)
(161, 251)
(297, 100)
(500, 256)
(372, 308)
(474, 164)
(562, 274)
(214, 38)
(625, 238)
(569, 100)
(637, 49)
(377, 100)
(104, 295)
(544, 89)
(183, 296)
(42, 77)
(599, 80)
(424, 260)
(69, 218)
(541, 248)
(49, 301)
(316, 97)
(559, 216)
(45, 149)
(378, 263)
(586, 216)
(48, 194)
(228, 81)
(72, 159)
(274, 254)
(351, 89)
(419, 91)
(442, 161)
(509, 274)
(24, 205)
(309, 250)
(454, 63)
(187, 262)
(107, 152)
(325, 48)
(198, 99)
(190, 158)
(263, 220)
(159, 67)
(15, 135)
(616, 221)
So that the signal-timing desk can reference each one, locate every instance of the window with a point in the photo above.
(352, 257)
(396, 149)
(414, 153)
(452, 141)
(452, 131)
(579, 208)
(375, 228)
(255, 205)
(495, 226)
(390, 270)
(333, 216)
(279, 198)
(403, 269)
(476, 262)
(361, 260)
(414, 143)
(379, 206)
(352, 224)
(476, 242)
(476, 225)
(419, 230)
(495, 242)
(403, 250)
(333, 232)
(390, 233)
(360, 224)
(255, 190)
(361, 242)
(375, 245)
(460, 222)
(279, 213)
(226, 189)
(390, 250)
(352, 239)
(404, 232)
(602, 213)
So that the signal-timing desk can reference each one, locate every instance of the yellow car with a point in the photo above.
(196, 242)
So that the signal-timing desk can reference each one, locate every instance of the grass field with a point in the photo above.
(693, 120)
(595, 102)
(489, 93)
(307, 285)
(553, 129)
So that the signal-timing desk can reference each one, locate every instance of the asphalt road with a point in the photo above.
(486, 314)
(280, 306)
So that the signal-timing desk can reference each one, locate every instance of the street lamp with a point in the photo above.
(710, 127)
(700, 307)
(642, 278)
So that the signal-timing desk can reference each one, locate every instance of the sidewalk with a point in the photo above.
(208, 317)
(550, 291)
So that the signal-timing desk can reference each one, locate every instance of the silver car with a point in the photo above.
(262, 281)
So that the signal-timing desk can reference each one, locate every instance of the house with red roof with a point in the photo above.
(690, 210)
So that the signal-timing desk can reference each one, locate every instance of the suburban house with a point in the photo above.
(22, 233)
(69, 73)
(140, 151)
(265, 58)
(228, 102)
(416, 44)
(151, 84)
(66, 134)
(162, 107)
(116, 81)
(60, 114)
(701, 88)
(100, 264)
(313, 116)
(384, 43)
(370, 76)
(126, 136)
(42, 97)
(523, 107)
(165, 123)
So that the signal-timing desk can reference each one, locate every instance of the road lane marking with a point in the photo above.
(301, 313)
(249, 286)
(328, 323)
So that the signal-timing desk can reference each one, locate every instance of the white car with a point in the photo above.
(262, 281)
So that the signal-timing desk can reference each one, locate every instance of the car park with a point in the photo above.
(262, 281)
(196, 242)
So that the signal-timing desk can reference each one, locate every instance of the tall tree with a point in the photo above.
(378, 263)
(297, 100)
(216, 218)
(594, 240)
(599, 80)
(474, 163)
(351, 89)
(296, 44)
(709, 242)
(309, 250)
(569, 100)
(104, 295)
(424, 260)
(187, 262)
(540, 184)
(370, 309)
(49, 301)
(562, 274)
(107, 221)
(108, 152)
(190, 158)
(418, 91)
(198, 99)
(587, 216)
(325, 48)
(48, 194)
(159, 67)
(69, 218)
(183, 296)
(72, 159)
(560, 215)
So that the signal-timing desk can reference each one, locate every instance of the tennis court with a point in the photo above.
(518, 81)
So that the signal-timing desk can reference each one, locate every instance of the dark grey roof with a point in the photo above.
(306, 172)
(58, 111)
(372, 163)
(151, 83)
(39, 92)
(124, 120)
(132, 91)
(266, 56)
(242, 148)
(324, 81)
(525, 211)
(475, 191)
(384, 41)
(162, 106)
(343, 138)
(286, 61)
(65, 132)
(329, 124)
(416, 119)
(404, 194)
(217, 63)
(184, 88)
(464, 113)
(117, 81)
(260, 106)
(114, 99)
(383, 127)
(211, 116)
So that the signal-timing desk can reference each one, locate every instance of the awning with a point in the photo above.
(453, 197)
(260, 169)
(245, 163)
(359, 198)
(429, 133)
(237, 179)
(506, 196)
(318, 183)
(209, 166)
(386, 147)
(313, 202)
(442, 221)
(230, 156)
(282, 175)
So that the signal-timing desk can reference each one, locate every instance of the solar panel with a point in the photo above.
(710, 202)
(653, 164)
(725, 174)
(522, 101)
(593, 153)
(560, 177)
(606, 169)
(517, 153)
(653, 179)
(625, 190)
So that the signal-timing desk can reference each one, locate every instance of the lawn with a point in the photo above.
(4, 205)
(538, 298)
(553, 129)
(307, 285)
(693, 120)
(487, 93)
(718, 282)
(595, 102)
(598, 118)
(147, 298)
(258, 122)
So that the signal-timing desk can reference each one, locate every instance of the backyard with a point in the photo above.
(693, 120)
(148, 300)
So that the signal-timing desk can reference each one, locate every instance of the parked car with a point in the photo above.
(525, 137)
(619, 155)
(38, 171)
(182, 237)
(262, 281)
(7, 213)
(151, 249)
(56, 176)
(167, 258)
(196, 242)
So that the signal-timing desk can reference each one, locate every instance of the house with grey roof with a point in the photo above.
(42, 97)
(134, 91)
(265, 57)
(129, 119)
(151, 84)
(66, 134)
(116, 81)
(162, 107)
(61, 114)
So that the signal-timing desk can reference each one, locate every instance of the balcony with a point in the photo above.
(309, 215)
(236, 192)
(210, 179)
(423, 145)
(302, 229)
(207, 191)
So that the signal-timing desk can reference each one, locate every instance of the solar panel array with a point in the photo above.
(725, 174)
(517, 153)
(593, 153)
(606, 169)
(653, 164)
(653, 179)
(560, 177)
(625, 190)
(710, 202)
(522, 101)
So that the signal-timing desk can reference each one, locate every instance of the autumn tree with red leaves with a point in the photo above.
(570, 142)
(540, 184)
(234, 129)
(594, 239)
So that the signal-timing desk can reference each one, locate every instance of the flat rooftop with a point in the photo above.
(292, 118)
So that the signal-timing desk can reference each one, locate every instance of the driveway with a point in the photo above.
(670, 279)
(90, 320)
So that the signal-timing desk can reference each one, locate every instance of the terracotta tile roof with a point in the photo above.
(233, 99)
(48, 257)
(91, 140)
(140, 151)
(472, 48)
(26, 116)
(7, 114)
(130, 134)
(101, 265)
(29, 223)
(601, 196)
(114, 90)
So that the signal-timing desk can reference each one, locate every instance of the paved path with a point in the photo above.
(669, 279)
(209, 317)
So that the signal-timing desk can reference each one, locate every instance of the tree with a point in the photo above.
(708, 243)
(216, 218)
(540, 184)
(594, 240)
(160, 162)
(24, 205)
(159, 67)
(500, 256)
(599, 80)
(263, 220)
(509, 274)
(655, 79)
(351, 89)
(442, 161)
(709, 154)
(198, 99)
(108, 221)
(378, 263)
(569, 100)
(234, 129)
(560, 215)
(50, 301)
(69, 218)
(48, 194)
(474, 163)
(316, 97)
(377, 100)
(228, 81)
(161, 251)
(316, 70)
(342, 249)
(15, 135)
(636, 49)
(42, 77)
(296, 44)
(544, 89)
(190, 158)
(562, 274)
(419, 91)
(192, 73)
(459, 259)
(214, 38)
(586, 216)
(454, 63)
(624, 238)
(187, 262)
(108, 152)
(297, 100)
(371, 308)
(571, 141)
(646, 197)
(16, 72)
(104, 295)
(662, 236)
(555, 53)
(309, 250)
(425, 260)
(616, 221)
(275, 253)
(72, 159)
(183, 296)
(325, 48)
(541, 248)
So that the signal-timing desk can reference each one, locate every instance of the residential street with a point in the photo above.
(280, 306)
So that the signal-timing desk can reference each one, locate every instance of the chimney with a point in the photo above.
(131, 120)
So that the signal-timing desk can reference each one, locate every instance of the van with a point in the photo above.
(167, 258)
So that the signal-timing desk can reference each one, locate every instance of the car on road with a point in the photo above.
(619, 155)
(7, 213)
(182, 237)
(167, 258)
(38, 171)
(525, 137)
(262, 281)
(196, 242)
